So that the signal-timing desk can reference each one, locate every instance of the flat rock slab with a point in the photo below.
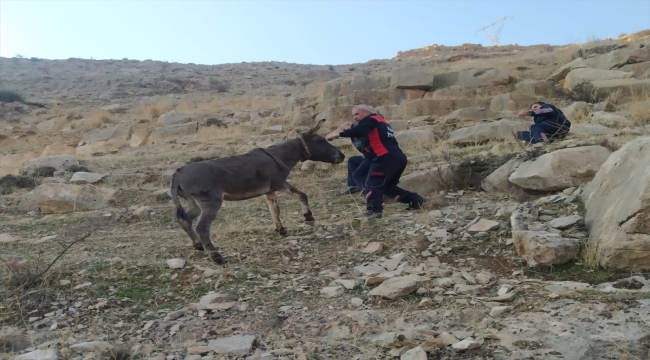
(234, 345)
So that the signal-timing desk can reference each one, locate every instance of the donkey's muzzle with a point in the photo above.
(339, 158)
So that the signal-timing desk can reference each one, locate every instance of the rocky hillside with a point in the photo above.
(521, 251)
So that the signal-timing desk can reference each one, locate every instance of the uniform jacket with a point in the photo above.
(380, 136)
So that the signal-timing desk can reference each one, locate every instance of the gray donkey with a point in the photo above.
(205, 185)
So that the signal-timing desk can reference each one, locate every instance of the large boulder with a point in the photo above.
(370, 82)
(618, 208)
(495, 130)
(577, 82)
(471, 114)
(560, 169)
(535, 87)
(563, 70)
(412, 78)
(58, 162)
(473, 78)
(414, 108)
(625, 90)
(66, 198)
(173, 118)
(426, 182)
(511, 102)
(544, 248)
(162, 134)
(497, 181)
(102, 141)
(416, 136)
(335, 115)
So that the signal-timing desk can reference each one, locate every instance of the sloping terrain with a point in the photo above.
(90, 156)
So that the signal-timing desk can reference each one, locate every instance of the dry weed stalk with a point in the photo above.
(24, 276)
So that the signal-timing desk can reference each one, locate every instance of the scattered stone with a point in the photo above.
(498, 310)
(92, 346)
(466, 344)
(372, 248)
(484, 225)
(234, 345)
(48, 354)
(82, 178)
(565, 222)
(396, 287)
(332, 292)
(176, 263)
(416, 353)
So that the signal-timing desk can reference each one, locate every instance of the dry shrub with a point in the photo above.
(640, 112)
(95, 120)
(589, 257)
(186, 106)
(73, 116)
(153, 111)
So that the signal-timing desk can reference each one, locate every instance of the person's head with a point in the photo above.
(361, 111)
(537, 104)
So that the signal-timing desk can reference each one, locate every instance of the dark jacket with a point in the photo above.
(359, 142)
(380, 136)
(551, 115)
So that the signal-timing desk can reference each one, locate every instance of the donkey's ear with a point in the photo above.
(315, 129)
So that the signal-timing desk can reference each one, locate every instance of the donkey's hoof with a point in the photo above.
(198, 247)
(217, 258)
(309, 217)
(281, 231)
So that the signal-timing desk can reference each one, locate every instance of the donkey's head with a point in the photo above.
(317, 148)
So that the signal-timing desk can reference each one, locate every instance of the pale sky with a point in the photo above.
(296, 31)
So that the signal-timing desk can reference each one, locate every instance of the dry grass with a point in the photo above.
(93, 121)
(232, 132)
(241, 103)
(153, 111)
(589, 256)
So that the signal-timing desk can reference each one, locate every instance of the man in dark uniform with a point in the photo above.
(384, 160)
(550, 123)
(354, 162)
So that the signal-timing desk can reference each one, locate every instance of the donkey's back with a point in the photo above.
(237, 177)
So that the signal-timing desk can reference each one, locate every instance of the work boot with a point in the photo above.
(351, 190)
(373, 214)
(416, 204)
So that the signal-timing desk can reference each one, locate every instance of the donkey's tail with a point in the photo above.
(180, 212)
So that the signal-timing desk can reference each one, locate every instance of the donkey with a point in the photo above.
(205, 185)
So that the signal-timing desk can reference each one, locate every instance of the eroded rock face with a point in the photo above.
(560, 169)
(618, 208)
(65, 198)
(544, 248)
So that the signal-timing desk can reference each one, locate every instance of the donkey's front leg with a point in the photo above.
(304, 202)
(275, 212)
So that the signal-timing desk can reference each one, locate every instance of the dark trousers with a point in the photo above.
(353, 165)
(382, 178)
(552, 132)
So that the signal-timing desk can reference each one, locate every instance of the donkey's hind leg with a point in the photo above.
(304, 202)
(191, 214)
(210, 206)
(275, 212)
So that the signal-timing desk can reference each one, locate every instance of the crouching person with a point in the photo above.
(550, 124)
(383, 161)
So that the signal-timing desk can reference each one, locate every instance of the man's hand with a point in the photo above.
(345, 126)
(523, 113)
(332, 136)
